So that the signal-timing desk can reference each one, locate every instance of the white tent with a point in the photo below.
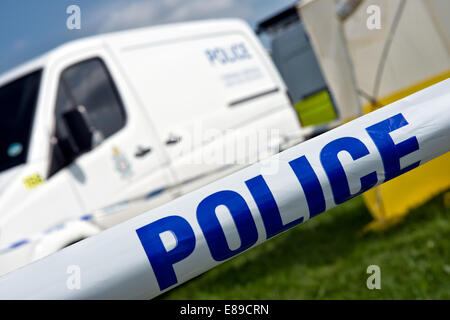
(372, 53)
(409, 51)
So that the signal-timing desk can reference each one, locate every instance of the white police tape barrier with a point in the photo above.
(154, 252)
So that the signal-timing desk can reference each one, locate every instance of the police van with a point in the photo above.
(104, 128)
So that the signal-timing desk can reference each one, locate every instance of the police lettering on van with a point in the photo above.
(163, 260)
(230, 54)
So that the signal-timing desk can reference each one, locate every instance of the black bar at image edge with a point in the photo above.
(234, 309)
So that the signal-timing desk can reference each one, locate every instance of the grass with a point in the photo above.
(327, 258)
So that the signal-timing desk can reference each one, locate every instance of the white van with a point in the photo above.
(101, 129)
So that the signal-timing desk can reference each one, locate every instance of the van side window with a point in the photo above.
(89, 84)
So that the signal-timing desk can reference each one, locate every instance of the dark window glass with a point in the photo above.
(17, 104)
(62, 145)
(88, 84)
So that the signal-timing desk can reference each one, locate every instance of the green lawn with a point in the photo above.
(327, 258)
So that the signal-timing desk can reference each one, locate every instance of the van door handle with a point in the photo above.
(173, 139)
(142, 151)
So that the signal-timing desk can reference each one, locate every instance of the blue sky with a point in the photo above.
(29, 28)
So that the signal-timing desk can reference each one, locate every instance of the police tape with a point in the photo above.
(166, 246)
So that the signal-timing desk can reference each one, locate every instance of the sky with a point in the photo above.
(29, 28)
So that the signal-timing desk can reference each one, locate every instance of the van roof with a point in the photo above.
(126, 38)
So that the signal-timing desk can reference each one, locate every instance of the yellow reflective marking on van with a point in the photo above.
(315, 109)
(33, 181)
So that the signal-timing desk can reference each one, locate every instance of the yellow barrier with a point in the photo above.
(390, 202)
(407, 91)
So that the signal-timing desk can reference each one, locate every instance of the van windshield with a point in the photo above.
(17, 106)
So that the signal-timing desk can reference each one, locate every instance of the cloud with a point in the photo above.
(125, 15)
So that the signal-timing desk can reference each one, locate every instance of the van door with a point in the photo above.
(211, 96)
(127, 162)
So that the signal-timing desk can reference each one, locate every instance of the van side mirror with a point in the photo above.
(81, 131)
